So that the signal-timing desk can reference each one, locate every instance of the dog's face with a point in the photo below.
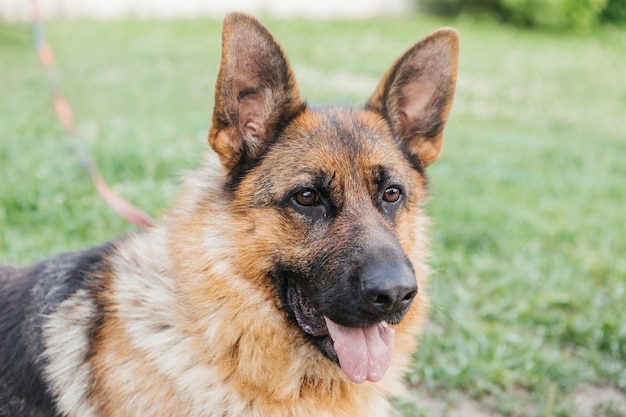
(333, 195)
(338, 188)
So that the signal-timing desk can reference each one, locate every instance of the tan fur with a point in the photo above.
(193, 325)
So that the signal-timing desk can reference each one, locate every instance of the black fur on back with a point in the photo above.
(27, 296)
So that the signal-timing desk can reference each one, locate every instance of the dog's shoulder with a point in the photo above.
(28, 296)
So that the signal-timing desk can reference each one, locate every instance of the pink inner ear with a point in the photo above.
(254, 131)
(415, 100)
(253, 113)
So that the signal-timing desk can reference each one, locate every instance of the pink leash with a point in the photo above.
(64, 112)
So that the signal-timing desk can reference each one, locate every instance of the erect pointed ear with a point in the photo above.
(255, 92)
(416, 93)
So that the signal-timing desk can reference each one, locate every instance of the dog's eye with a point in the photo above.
(306, 197)
(392, 194)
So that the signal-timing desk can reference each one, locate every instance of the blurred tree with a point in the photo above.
(615, 11)
(557, 14)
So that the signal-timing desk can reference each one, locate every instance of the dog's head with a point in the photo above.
(333, 196)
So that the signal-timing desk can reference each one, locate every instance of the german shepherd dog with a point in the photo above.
(284, 281)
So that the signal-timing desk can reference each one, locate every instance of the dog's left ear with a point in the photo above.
(255, 92)
(416, 94)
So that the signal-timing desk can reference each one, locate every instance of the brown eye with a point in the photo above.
(392, 194)
(306, 197)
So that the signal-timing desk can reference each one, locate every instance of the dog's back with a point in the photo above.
(22, 390)
(28, 296)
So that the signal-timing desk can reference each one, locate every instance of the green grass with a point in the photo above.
(529, 197)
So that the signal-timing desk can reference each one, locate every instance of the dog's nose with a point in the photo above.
(388, 286)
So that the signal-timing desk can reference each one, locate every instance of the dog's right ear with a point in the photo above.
(255, 92)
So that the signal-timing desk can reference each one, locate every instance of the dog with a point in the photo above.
(287, 279)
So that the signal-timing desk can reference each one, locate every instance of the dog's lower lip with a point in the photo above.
(320, 333)
(307, 316)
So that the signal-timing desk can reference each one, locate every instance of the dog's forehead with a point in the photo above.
(337, 146)
(338, 136)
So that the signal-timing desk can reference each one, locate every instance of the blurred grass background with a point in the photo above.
(528, 199)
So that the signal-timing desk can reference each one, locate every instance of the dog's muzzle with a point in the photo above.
(352, 330)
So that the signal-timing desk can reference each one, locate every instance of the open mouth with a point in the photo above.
(364, 353)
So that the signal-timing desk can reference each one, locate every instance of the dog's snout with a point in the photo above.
(388, 287)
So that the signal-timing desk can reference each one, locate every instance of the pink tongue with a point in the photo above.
(364, 353)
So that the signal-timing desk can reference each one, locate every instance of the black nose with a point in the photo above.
(387, 285)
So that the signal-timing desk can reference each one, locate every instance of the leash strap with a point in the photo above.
(64, 113)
